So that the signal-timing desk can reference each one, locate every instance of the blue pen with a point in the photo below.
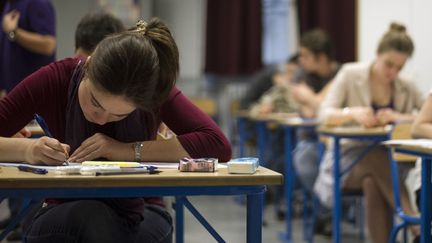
(32, 169)
(44, 127)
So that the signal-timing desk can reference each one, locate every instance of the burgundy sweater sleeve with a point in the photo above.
(43, 92)
(195, 130)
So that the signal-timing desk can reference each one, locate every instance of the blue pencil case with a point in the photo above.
(245, 165)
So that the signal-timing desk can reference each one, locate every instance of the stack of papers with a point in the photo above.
(425, 143)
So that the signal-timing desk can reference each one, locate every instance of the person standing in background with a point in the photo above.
(27, 40)
(27, 43)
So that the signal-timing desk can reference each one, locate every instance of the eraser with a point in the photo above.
(246, 165)
(198, 165)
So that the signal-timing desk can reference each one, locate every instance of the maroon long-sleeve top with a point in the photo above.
(47, 92)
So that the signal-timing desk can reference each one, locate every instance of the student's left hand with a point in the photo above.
(23, 133)
(96, 146)
(386, 116)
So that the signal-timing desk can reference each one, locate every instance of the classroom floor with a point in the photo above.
(227, 217)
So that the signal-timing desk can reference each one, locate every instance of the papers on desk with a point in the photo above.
(425, 143)
(75, 168)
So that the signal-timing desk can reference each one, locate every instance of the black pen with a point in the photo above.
(32, 169)
(47, 132)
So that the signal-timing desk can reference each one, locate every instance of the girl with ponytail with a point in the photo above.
(371, 94)
(108, 106)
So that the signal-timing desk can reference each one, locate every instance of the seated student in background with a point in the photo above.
(278, 99)
(422, 128)
(93, 28)
(110, 106)
(370, 94)
(318, 67)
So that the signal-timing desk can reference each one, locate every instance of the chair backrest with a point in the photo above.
(208, 105)
(402, 131)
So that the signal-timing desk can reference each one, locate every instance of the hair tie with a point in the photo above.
(141, 27)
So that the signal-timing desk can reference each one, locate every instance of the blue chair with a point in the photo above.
(400, 131)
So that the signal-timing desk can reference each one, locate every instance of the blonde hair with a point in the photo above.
(396, 39)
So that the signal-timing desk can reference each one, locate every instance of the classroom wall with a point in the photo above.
(185, 18)
(374, 18)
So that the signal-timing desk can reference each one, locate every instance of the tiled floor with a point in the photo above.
(228, 218)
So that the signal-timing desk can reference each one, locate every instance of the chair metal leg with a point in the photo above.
(395, 231)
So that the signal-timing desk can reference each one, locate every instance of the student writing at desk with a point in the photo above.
(317, 68)
(370, 94)
(110, 106)
(422, 128)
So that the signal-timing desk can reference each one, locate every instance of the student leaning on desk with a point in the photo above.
(371, 94)
(422, 128)
(109, 106)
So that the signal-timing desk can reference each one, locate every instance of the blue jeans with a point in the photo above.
(306, 163)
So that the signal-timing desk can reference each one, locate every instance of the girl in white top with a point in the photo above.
(370, 94)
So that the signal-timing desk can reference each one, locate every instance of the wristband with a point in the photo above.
(137, 150)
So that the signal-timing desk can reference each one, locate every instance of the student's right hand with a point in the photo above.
(47, 151)
(364, 116)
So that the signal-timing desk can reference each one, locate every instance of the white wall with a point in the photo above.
(374, 18)
(185, 18)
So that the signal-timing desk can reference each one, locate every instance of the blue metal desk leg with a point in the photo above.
(242, 135)
(426, 200)
(262, 139)
(254, 217)
(289, 179)
(179, 219)
(336, 191)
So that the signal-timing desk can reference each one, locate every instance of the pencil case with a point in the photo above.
(246, 165)
(198, 165)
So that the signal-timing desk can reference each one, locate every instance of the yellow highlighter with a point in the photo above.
(112, 163)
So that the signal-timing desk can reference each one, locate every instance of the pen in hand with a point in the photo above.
(47, 132)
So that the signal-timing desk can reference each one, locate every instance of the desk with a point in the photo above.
(261, 122)
(167, 183)
(290, 126)
(425, 152)
(337, 133)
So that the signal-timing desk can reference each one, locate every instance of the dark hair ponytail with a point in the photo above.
(141, 64)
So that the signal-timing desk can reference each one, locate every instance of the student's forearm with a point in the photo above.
(158, 150)
(41, 44)
(405, 117)
(338, 117)
(423, 130)
(13, 149)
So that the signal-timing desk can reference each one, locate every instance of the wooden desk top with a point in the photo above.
(425, 149)
(267, 117)
(355, 131)
(297, 122)
(11, 177)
